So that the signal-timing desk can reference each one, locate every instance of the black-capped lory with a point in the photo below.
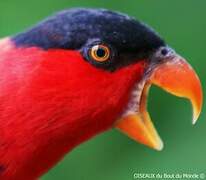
(79, 73)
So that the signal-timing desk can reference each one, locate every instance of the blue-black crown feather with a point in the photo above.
(76, 28)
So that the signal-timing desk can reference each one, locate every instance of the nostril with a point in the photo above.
(164, 51)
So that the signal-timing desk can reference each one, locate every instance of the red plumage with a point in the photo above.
(52, 101)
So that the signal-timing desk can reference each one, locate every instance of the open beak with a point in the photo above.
(175, 76)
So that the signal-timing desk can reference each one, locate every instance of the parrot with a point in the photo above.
(77, 74)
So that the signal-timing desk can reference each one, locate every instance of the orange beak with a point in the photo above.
(175, 76)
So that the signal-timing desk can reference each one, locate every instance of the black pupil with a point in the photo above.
(101, 52)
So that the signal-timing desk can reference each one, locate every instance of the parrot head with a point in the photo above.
(104, 64)
(82, 72)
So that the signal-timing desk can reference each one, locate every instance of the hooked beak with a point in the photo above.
(175, 76)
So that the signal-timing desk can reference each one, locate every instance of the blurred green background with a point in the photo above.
(113, 156)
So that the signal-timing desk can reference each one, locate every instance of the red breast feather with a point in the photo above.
(52, 101)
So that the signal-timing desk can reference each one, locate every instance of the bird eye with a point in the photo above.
(100, 53)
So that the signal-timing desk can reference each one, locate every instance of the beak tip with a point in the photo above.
(194, 121)
(159, 147)
(196, 115)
